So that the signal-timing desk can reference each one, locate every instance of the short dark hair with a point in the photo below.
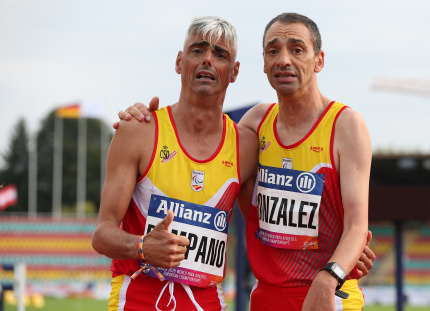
(291, 18)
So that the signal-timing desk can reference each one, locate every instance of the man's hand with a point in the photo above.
(365, 263)
(320, 296)
(162, 248)
(139, 111)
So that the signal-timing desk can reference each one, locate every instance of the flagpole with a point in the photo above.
(82, 167)
(32, 176)
(104, 145)
(57, 177)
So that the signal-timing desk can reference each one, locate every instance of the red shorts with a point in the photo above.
(142, 293)
(266, 297)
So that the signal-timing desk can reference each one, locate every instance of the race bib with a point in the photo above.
(288, 204)
(206, 228)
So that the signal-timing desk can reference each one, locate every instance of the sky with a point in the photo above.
(55, 53)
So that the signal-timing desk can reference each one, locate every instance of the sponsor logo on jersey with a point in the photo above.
(197, 180)
(287, 163)
(165, 155)
(264, 145)
(305, 182)
(307, 244)
(317, 149)
(220, 220)
(228, 163)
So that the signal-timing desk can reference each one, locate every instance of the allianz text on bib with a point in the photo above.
(288, 204)
(205, 227)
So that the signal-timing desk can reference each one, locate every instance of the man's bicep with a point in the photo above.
(121, 174)
(355, 156)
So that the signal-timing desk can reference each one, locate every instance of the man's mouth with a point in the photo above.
(284, 76)
(203, 76)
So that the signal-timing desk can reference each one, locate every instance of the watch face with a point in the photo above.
(339, 271)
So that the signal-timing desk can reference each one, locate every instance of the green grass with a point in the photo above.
(72, 304)
(68, 304)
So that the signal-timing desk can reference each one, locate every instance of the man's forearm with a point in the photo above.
(350, 247)
(114, 242)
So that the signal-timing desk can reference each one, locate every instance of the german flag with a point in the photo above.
(69, 112)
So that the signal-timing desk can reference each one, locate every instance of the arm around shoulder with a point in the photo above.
(252, 118)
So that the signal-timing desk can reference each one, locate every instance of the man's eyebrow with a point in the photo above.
(215, 47)
(272, 42)
(290, 40)
(202, 43)
(220, 49)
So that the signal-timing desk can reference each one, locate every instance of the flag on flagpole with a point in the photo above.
(92, 110)
(69, 112)
(8, 196)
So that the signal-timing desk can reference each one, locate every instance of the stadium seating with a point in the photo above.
(54, 250)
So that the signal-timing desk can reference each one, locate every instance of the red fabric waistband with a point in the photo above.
(285, 291)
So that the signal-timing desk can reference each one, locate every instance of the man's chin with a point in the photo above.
(285, 89)
(204, 90)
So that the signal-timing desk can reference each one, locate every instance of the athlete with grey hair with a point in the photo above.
(189, 163)
(307, 224)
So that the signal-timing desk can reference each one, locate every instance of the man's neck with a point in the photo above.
(199, 121)
(298, 113)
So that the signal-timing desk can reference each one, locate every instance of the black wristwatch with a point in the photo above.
(339, 274)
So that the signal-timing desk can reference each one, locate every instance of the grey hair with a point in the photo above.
(291, 18)
(213, 28)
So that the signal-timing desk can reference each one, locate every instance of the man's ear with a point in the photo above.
(178, 64)
(319, 61)
(235, 72)
(264, 64)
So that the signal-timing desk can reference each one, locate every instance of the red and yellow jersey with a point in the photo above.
(296, 220)
(175, 177)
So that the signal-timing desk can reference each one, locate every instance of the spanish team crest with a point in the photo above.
(197, 180)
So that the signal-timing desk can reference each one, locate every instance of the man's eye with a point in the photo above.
(197, 51)
(297, 51)
(222, 56)
(273, 52)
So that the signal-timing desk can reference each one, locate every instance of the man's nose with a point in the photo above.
(284, 59)
(208, 58)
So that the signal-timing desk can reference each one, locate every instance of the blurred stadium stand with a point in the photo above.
(59, 256)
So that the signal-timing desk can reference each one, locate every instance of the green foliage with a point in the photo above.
(45, 146)
(16, 165)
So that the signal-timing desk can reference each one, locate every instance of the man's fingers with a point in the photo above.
(122, 115)
(369, 254)
(154, 103)
(369, 237)
(115, 125)
(183, 241)
(165, 223)
(362, 270)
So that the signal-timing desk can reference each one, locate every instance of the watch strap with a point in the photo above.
(341, 294)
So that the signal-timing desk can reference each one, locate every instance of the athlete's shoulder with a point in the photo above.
(351, 134)
(350, 120)
(139, 135)
(253, 116)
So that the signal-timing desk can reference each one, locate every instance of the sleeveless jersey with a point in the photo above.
(310, 161)
(173, 173)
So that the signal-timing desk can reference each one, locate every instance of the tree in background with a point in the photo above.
(16, 164)
(45, 147)
(15, 169)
